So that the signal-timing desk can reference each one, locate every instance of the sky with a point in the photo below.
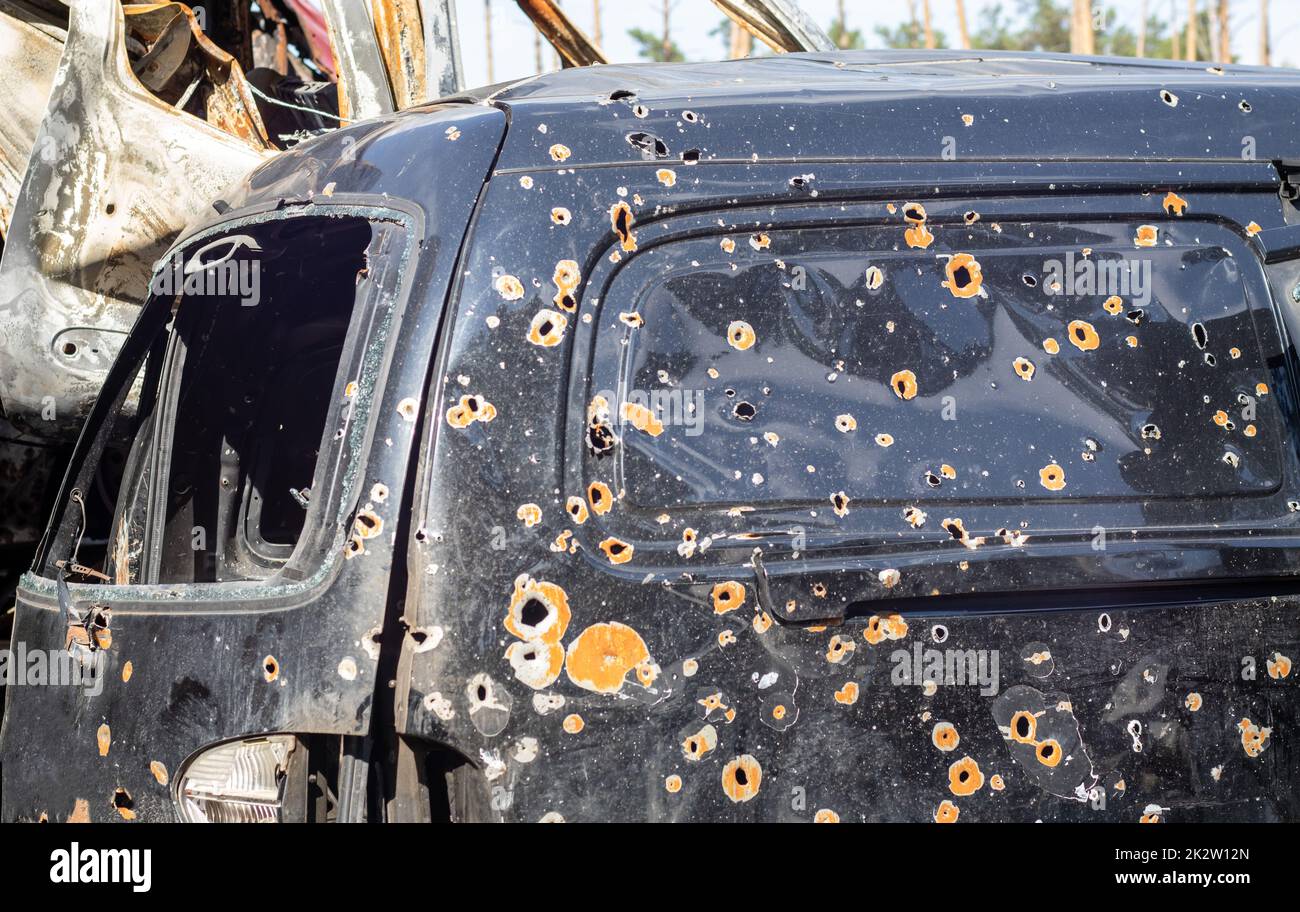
(692, 20)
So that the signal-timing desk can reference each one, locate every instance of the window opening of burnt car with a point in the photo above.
(210, 479)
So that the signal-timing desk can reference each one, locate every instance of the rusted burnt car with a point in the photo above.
(859, 436)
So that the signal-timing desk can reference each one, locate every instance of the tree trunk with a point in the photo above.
(1081, 35)
(596, 34)
(1225, 36)
(487, 30)
(667, 28)
(929, 30)
(742, 43)
(963, 33)
(1174, 53)
(1142, 30)
(1191, 30)
(1263, 33)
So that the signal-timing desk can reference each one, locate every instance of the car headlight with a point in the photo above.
(236, 782)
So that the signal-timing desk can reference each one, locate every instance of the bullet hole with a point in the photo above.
(69, 348)
(743, 411)
(1210, 360)
(533, 612)
(1150, 432)
(640, 110)
(971, 217)
(914, 212)
(1029, 280)
(622, 95)
(123, 803)
(482, 692)
(621, 219)
(1103, 622)
(649, 144)
(939, 633)
(270, 669)
(933, 481)
(1023, 727)
(1135, 317)
(690, 117)
(1199, 336)
(691, 157)
(367, 524)
(1169, 98)
(955, 530)
(1244, 106)
(800, 181)
(600, 439)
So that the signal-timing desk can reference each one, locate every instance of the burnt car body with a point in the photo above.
(707, 442)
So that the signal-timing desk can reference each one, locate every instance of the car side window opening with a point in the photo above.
(212, 479)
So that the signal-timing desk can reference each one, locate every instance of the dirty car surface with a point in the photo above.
(726, 453)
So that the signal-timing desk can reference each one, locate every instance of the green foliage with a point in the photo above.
(651, 46)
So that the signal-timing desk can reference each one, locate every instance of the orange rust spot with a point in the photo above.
(875, 277)
(642, 418)
(1150, 817)
(530, 514)
(885, 440)
(1023, 727)
(848, 694)
(1051, 346)
(159, 772)
(621, 220)
(760, 241)
(1048, 752)
(1146, 236)
(1174, 204)
(559, 152)
(1131, 341)
(996, 783)
(617, 550)
(741, 778)
(1253, 229)
(601, 656)
(103, 737)
(826, 815)
(964, 777)
(947, 471)
(270, 669)
(599, 497)
(1113, 305)
(903, 384)
(1253, 738)
(538, 610)
(946, 812)
(1261, 389)
(673, 784)
(573, 723)
(762, 622)
(1194, 702)
(576, 507)
(566, 277)
(838, 649)
(728, 245)
(1083, 335)
(740, 335)
(695, 746)
(509, 287)
(726, 638)
(127, 670)
(728, 596)
(1221, 418)
(965, 279)
(1279, 666)
(945, 736)
(845, 423)
(879, 629)
(1024, 368)
(471, 408)
(1052, 477)
(666, 176)
(918, 236)
(840, 503)
(561, 215)
(547, 328)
